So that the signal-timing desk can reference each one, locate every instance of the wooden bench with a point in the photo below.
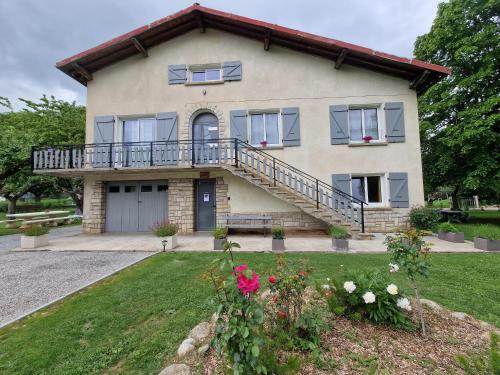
(241, 221)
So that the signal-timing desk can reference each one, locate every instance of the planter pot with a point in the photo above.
(33, 242)
(340, 244)
(451, 237)
(278, 245)
(486, 244)
(171, 242)
(219, 243)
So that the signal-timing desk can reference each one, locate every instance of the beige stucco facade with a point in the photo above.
(271, 79)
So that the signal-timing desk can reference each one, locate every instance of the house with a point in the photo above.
(204, 113)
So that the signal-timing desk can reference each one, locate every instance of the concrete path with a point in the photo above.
(204, 242)
(11, 241)
(31, 280)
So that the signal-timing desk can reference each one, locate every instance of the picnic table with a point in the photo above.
(33, 218)
(454, 216)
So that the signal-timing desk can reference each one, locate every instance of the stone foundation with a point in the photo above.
(181, 203)
(384, 220)
(94, 216)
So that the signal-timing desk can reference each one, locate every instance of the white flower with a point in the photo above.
(404, 304)
(328, 279)
(392, 289)
(326, 286)
(393, 267)
(349, 286)
(369, 297)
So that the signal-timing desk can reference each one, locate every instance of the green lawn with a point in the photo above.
(482, 224)
(135, 320)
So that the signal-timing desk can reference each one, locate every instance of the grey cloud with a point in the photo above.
(36, 34)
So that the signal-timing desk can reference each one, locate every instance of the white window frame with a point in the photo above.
(383, 188)
(203, 68)
(122, 120)
(381, 128)
(263, 112)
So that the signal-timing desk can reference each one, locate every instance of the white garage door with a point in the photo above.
(135, 206)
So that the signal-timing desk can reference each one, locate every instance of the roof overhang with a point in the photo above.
(81, 66)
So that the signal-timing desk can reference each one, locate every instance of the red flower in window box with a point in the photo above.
(367, 138)
(263, 143)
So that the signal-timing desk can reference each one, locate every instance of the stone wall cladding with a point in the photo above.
(222, 202)
(94, 218)
(181, 203)
(291, 220)
(384, 220)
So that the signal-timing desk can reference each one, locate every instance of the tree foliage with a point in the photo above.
(46, 122)
(459, 116)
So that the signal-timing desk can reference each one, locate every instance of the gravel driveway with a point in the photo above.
(30, 280)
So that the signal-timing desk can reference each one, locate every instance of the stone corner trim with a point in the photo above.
(94, 218)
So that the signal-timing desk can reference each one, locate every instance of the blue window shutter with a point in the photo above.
(291, 126)
(177, 74)
(166, 126)
(104, 129)
(395, 121)
(238, 124)
(398, 187)
(339, 124)
(231, 71)
(342, 182)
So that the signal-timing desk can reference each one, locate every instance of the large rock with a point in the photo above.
(186, 347)
(431, 304)
(459, 315)
(200, 332)
(176, 369)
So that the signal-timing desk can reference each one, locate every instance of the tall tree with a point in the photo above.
(459, 116)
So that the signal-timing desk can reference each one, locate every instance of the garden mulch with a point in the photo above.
(354, 347)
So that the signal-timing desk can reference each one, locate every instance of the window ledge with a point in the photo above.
(277, 147)
(361, 144)
(219, 82)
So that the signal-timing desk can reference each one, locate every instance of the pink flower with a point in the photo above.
(241, 268)
(246, 285)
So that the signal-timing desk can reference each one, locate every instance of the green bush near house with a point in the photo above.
(278, 233)
(165, 229)
(447, 228)
(424, 218)
(35, 231)
(338, 232)
(219, 233)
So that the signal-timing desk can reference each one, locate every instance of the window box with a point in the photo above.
(486, 244)
(452, 237)
(372, 143)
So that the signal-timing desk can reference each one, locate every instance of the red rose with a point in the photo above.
(302, 274)
(272, 279)
(281, 314)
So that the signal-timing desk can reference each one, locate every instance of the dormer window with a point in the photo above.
(208, 73)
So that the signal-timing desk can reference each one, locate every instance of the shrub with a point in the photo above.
(424, 218)
(219, 233)
(447, 227)
(278, 233)
(367, 295)
(35, 231)
(339, 233)
(165, 229)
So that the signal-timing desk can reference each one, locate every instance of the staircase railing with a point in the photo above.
(230, 151)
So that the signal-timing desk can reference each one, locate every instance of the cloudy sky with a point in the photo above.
(36, 34)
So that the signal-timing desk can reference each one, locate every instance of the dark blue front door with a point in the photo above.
(205, 205)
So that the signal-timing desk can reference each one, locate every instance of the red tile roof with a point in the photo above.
(83, 64)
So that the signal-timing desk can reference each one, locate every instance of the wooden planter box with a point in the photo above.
(278, 245)
(452, 237)
(171, 242)
(219, 243)
(33, 242)
(340, 244)
(486, 244)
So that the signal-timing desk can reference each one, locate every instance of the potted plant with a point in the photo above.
(220, 238)
(34, 237)
(263, 143)
(449, 232)
(278, 243)
(488, 242)
(167, 231)
(339, 238)
(367, 138)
